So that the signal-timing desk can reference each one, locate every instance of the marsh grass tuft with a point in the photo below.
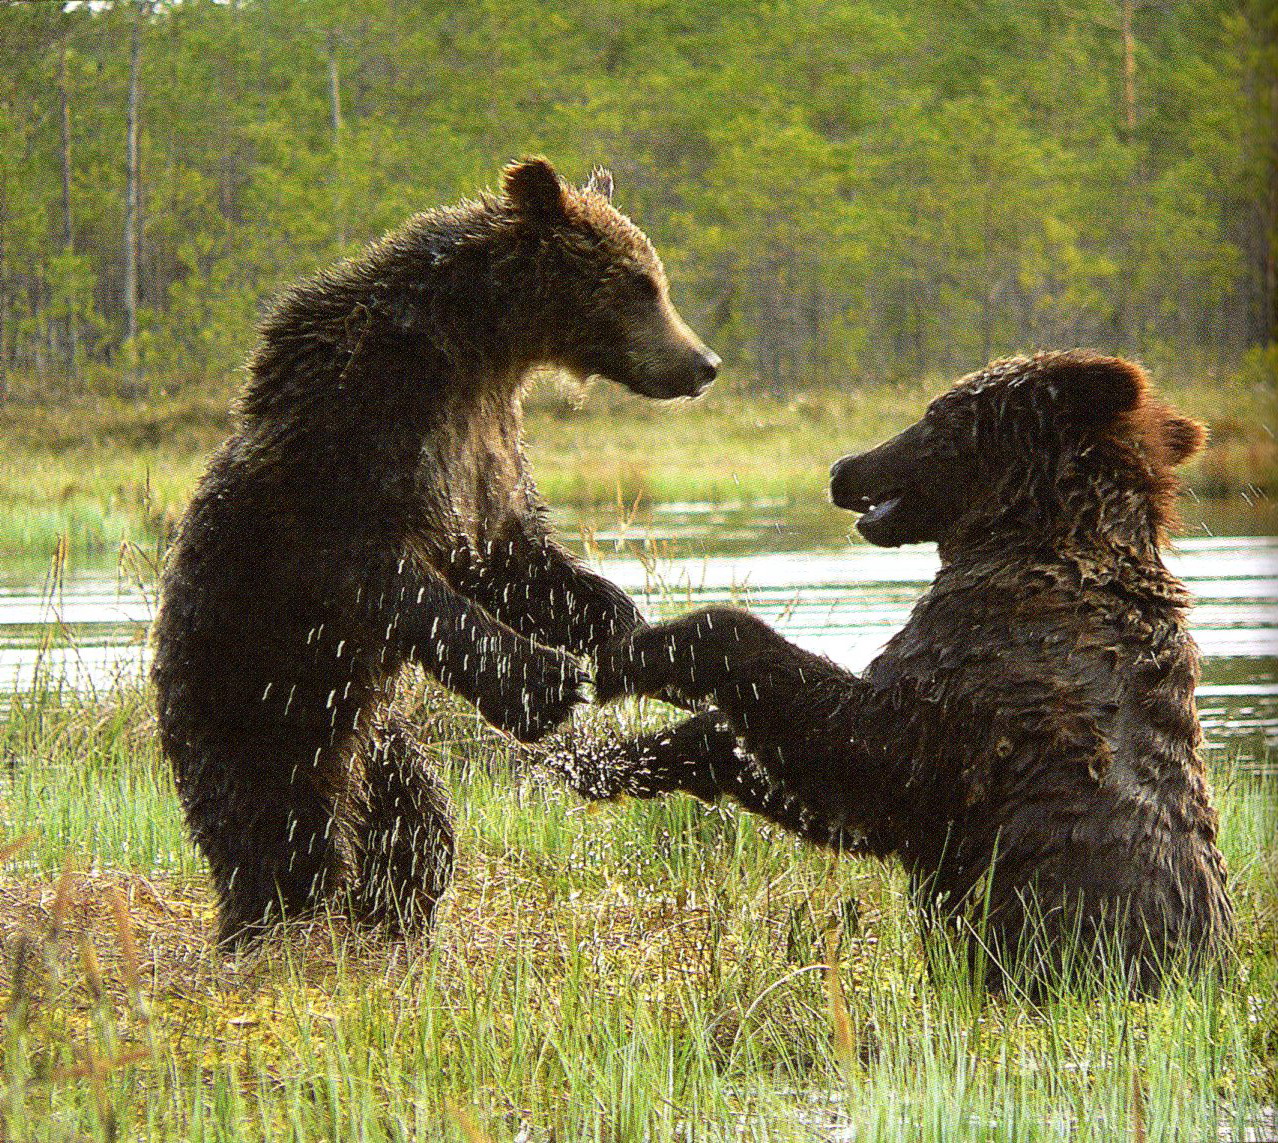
(630, 971)
(108, 470)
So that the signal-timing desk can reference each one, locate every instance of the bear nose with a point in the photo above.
(708, 365)
(844, 486)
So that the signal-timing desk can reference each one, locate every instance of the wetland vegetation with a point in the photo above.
(99, 471)
(635, 971)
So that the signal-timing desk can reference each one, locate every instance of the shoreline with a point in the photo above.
(103, 472)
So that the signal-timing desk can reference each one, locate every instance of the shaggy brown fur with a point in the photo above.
(374, 509)
(1027, 744)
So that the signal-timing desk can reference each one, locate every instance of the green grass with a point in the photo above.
(102, 472)
(631, 971)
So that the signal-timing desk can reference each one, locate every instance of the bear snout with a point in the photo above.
(693, 377)
(846, 485)
(708, 363)
(704, 369)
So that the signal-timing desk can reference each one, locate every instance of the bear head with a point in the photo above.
(606, 301)
(1047, 443)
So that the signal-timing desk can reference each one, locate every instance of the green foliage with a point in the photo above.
(839, 189)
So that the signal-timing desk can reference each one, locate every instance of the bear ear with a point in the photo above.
(1183, 437)
(1106, 387)
(600, 182)
(534, 189)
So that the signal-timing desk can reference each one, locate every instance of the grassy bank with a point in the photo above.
(635, 972)
(101, 472)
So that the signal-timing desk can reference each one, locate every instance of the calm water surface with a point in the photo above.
(88, 629)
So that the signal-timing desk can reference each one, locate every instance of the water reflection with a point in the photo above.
(844, 602)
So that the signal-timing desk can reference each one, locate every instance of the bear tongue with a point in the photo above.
(878, 511)
(875, 525)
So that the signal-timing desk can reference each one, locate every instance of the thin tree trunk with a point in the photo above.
(39, 331)
(335, 114)
(1129, 69)
(4, 279)
(991, 287)
(68, 225)
(1126, 320)
(131, 204)
(64, 98)
(334, 87)
(1270, 237)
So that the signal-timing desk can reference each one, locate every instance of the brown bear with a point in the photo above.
(1028, 743)
(373, 509)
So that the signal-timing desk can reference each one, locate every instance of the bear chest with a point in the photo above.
(470, 479)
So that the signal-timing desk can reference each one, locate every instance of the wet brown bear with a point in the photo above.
(374, 509)
(1027, 744)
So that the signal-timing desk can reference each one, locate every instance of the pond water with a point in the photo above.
(86, 627)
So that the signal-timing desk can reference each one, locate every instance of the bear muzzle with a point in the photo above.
(854, 489)
(693, 379)
(848, 487)
(707, 369)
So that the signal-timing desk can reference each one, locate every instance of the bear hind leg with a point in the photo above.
(275, 850)
(406, 841)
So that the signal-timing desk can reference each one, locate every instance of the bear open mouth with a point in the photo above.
(880, 517)
(874, 512)
(868, 505)
(885, 501)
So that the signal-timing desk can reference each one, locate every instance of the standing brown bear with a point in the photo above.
(374, 509)
(1027, 744)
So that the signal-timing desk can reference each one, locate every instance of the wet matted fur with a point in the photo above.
(1028, 744)
(373, 509)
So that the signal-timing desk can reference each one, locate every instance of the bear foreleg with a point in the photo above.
(548, 595)
(818, 732)
(728, 657)
(519, 685)
(701, 756)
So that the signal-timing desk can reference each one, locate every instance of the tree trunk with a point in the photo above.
(334, 86)
(39, 331)
(1129, 69)
(335, 115)
(4, 279)
(131, 206)
(68, 227)
(1270, 237)
(991, 286)
(64, 98)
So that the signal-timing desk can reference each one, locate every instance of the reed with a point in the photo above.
(621, 972)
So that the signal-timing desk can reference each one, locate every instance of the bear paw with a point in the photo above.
(629, 665)
(535, 695)
(688, 657)
(592, 764)
(602, 766)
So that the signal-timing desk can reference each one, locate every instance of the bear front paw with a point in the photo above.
(602, 765)
(687, 657)
(592, 764)
(536, 695)
(635, 664)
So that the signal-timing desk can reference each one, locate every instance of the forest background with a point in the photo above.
(843, 192)
(856, 201)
